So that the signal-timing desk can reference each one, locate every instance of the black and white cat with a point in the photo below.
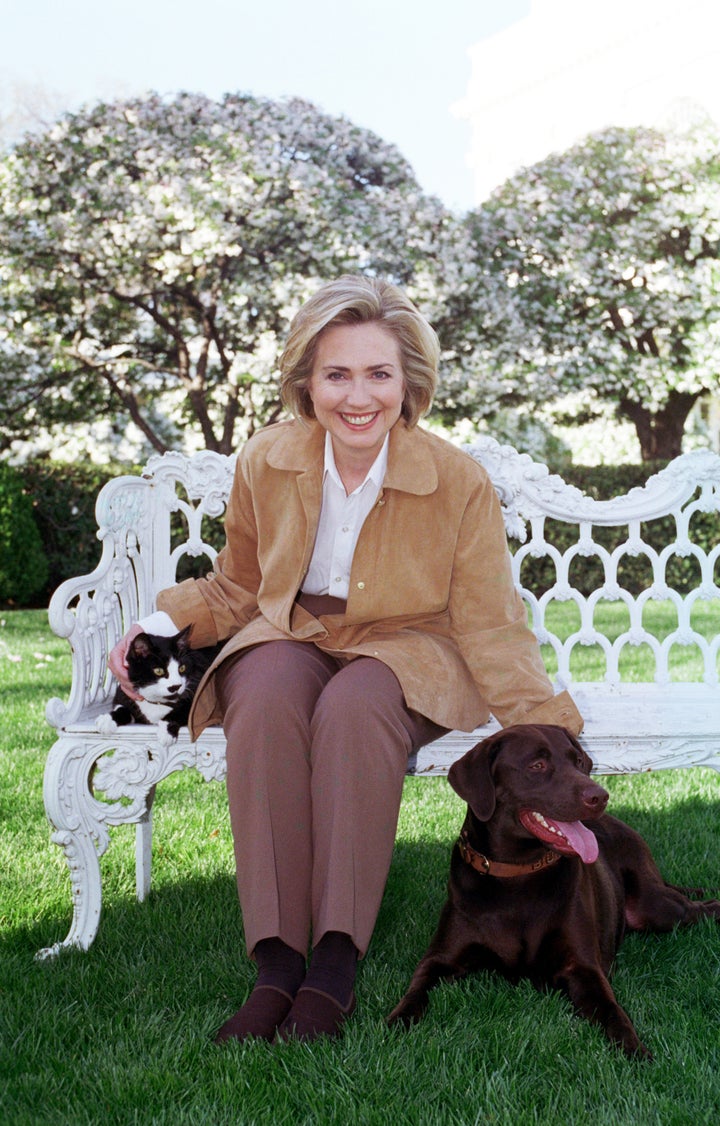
(165, 671)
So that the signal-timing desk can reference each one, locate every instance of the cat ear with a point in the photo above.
(141, 645)
(183, 638)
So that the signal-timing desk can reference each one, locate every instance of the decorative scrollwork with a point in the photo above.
(518, 481)
(93, 783)
(130, 770)
(528, 488)
(206, 475)
(210, 756)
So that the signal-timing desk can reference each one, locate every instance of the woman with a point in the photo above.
(366, 592)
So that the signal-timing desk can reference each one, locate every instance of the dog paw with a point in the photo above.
(405, 1014)
(106, 725)
(642, 1053)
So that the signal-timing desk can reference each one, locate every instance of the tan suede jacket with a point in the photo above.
(431, 591)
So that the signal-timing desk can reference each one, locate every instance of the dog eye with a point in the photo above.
(538, 764)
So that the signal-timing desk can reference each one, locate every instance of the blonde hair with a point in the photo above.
(355, 299)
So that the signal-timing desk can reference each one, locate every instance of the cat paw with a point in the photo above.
(165, 737)
(106, 725)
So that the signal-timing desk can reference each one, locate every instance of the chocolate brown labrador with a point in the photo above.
(534, 891)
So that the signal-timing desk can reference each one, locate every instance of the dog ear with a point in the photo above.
(471, 778)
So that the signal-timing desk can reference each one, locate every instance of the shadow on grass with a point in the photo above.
(131, 1020)
(185, 946)
(200, 917)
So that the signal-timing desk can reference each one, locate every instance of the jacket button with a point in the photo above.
(361, 586)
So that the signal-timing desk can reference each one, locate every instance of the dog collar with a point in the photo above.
(487, 867)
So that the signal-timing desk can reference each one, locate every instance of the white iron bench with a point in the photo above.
(150, 526)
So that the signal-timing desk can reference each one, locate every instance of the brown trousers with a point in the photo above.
(317, 750)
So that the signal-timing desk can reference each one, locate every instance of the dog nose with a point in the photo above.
(595, 798)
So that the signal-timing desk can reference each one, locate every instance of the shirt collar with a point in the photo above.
(413, 454)
(377, 470)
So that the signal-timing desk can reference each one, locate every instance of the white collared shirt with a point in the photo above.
(341, 518)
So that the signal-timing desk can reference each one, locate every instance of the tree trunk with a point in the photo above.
(660, 433)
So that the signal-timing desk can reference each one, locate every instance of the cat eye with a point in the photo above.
(181, 669)
(158, 672)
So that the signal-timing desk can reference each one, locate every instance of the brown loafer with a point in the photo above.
(260, 1016)
(315, 1014)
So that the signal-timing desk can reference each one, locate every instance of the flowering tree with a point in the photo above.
(152, 253)
(607, 259)
(477, 316)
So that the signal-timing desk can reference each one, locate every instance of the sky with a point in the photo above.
(544, 82)
(468, 90)
(397, 67)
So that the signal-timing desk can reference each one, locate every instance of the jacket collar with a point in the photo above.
(301, 449)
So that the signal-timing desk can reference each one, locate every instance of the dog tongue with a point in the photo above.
(580, 838)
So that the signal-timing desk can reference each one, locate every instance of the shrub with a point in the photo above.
(64, 498)
(23, 565)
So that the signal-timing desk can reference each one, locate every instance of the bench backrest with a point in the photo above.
(639, 570)
(598, 577)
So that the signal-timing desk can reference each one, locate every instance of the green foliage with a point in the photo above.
(153, 250)
(63, 497)
(595, 281)
(528, 434)
(23, 566)
(602, 482)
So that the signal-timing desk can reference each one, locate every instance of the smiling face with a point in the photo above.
(357, 388)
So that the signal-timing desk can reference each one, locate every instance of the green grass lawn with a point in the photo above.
(121, 1034)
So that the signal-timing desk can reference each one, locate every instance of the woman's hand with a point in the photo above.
(117, 662)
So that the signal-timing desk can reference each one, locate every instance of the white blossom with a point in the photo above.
(157, 246)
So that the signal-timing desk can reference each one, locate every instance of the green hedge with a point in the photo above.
(63, 504)
(23, 564)
(63, 500)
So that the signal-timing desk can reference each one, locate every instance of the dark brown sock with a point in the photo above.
(259, 1018)
(280, 973)
(333, 967)
(315, 1013)
(279, 965)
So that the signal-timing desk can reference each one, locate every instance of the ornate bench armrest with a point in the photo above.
(94, 611)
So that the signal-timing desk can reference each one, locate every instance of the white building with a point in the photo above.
(571, 67)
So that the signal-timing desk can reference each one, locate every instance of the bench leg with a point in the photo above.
(143, 850)
(80, 834)
(75, 766)
(82, 858)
